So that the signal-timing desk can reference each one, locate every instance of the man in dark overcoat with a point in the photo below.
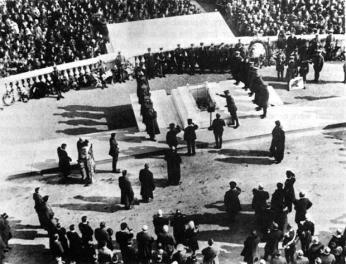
(277, 147)
(75, 244)
(124, 237)
(64, 160)
(278, 206)
(217, 127)
(272, 244)
(145, 245)
(173, 166)
(190, 137)
(232, 108)
(302, 205)
(259, 203)
(114, 152)
(146, 179)
(250, 251)
(86, 231)
(318, 62)
(290, 195)
(127, 194)
(171, 136)
(231, 200)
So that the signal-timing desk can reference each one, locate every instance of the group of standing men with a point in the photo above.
(148, 113)
(214, 58)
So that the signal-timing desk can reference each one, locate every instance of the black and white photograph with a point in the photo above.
(172, 132)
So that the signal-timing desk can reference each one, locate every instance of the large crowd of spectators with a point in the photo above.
(266, 18)
(36, 34)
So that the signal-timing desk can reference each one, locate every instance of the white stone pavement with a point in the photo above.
(37, 156)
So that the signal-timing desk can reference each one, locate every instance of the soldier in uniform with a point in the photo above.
(150, 64)
(318, 62)
(190, 137)
(201, 58)
(120, 62)
(114, 152)
(179, 58)
(280, 65)
(231, 200)
(232, 108)
(217, 127)
(161, 64)
(236, 66)
(56, 81)
(192, 59)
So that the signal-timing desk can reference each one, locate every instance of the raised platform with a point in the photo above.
(182, 104)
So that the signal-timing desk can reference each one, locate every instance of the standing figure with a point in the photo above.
(192, 59)
(217, 127)
(146, 179)
(152, 126)
(124, 237)
(127, 194)
(87, 156)
(289, 244)
(231, 200)
(190, 137)
(210, 253)
(306, 230)
(259, 203)
(101, 234)
(159, 221)
(278, 206)
(318, 62)
(302, 205)
(280, 65)
(290, 195)
(201, 58)
(191, 237)
(64, 160)
(250, 251)
(277, 147)
(166, 242)
(232, 108)
(114, 152)
(171, 136)
(173, 166)
(178, 223)
(145, 245)
(274, 236)
(150, 64)
(161, 64)
(56, 82)
(86, 231)
(304, 69)
(38, 203)
(75, 244)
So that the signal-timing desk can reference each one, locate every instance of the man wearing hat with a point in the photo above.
(232, 108)
(277, 147)
(127, 194)
(277, 205)
(86, 231)
(210, 253)
(259, 203)
(231, 200)
(327, 257)
(124, 237)
(145, 245)
(290, 195)
(146, 179)
(217, 127)
(64, 160)
(190, 137)
(114, 152)
(274, 236)
(306, 230)
(192, 59)
(302, 205)
(171, 136)
(161, 64)
(301, 259)
(201, 58)
(318, 62)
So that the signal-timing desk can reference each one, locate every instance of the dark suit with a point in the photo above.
(171, 137)
(259, 204)
(87, 232)
(301, 206)
(123, 238)
(127, 194)
(145, 245)
(190, 138)
(64, 161)
(75, 245)
(114, 152)
(147, 184)
(101, 235)
(217, 127)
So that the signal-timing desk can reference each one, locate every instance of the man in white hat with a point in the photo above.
(145, 245)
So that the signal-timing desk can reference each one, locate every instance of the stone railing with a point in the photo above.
(77, 68)
(27, 79)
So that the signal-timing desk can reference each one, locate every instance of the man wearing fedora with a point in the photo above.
(190, 137)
